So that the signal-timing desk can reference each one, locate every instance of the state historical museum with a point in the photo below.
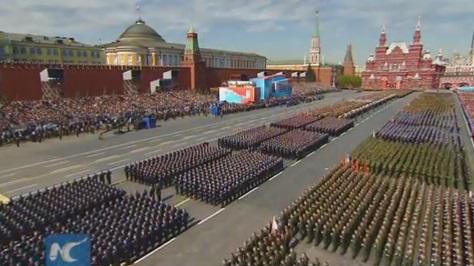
(401, 66)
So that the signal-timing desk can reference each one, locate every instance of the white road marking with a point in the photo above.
(151, 253)
(22, 188)
(95, 155)
(189, 137)
(56, 164)
(77, 174)
(139, 150)
(6, 176)
(275, 176)
(210, 216)
(116, 162)
(151, 153)
(65, 169)
(127, 147)
(182, 202)
(248, 193)
(6, 184)
(295, 163)
(107, 158)
(323, 146)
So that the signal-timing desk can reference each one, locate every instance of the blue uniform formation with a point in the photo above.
(330, 125)
(121, 227)
(294, 144)
(250, 138)
(224, 180)
(164, 168)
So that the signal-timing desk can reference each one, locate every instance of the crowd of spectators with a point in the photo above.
(39, 120)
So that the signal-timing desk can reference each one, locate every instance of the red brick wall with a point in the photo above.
(92, 82)
(20, 83)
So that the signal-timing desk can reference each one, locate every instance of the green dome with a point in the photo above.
(140, 31)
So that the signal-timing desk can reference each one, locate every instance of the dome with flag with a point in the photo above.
(139, 31)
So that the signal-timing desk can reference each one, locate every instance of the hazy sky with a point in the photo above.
(278, 29)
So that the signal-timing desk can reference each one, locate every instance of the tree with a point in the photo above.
(350, 81)
(310, 76)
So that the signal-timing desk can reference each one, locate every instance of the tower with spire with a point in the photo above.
(471, 51)
(315, 50)
(417, 35)
(402, 65)
(349, 68)
(192, 59)
(383, 37)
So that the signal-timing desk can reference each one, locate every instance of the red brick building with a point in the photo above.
(401, 66)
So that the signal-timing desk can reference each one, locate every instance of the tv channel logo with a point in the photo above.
(68, 250)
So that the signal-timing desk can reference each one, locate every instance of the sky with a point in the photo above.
(277, 29)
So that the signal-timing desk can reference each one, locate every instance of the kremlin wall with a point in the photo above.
(144, 53)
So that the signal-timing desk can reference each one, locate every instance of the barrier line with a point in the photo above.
(276, 175)
(158, 248)
(295, 163)
(210, 216)
(248, 193)
(182, 202)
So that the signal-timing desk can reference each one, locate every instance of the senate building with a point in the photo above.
(141, 45)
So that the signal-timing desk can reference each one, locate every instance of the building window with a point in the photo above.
(165, 60)
(38, 51)
(84, 54)
(129, 60)
(55, 51)
(23, 50)
(15, 50)
(65, 53)
(78, 53)
(49, 51)
(32, 50)
(70, 53)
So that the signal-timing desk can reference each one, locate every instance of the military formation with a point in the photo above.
(224, 180)
(384, 220)
(250, 138)
(162, 169)
(467, 103)
(34, 211)
(330, 125)
(422, 142)
(120, 227)
(271, 246)
(294, 144)
(374, 206)
(296, 121)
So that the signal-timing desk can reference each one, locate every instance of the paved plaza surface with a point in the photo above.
(37, 165)
(216, 232)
